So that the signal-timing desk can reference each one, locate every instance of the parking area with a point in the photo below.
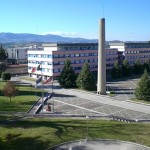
(124, 89)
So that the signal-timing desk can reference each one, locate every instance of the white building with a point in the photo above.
(54, 55)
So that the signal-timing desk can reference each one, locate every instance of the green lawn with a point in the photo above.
(38, 134)
(141, 101)
(21, 103)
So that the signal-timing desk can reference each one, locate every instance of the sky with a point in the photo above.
(125, 19)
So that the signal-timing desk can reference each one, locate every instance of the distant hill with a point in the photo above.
(26, 37)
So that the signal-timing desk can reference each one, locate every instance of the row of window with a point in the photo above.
(78, 48)
(111, 53)
(133, 62)
(37, 62)
(112, 58)
(136, 57)
(74, 68)
(134, 52)
(72, 61)
(75, 61)
(74, 55)
(43, 69)
(68, 55)
(139, 46)
(40, 55)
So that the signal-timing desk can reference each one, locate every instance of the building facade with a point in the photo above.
(133, 51)
(17, 69)
(54, 55)
(17, 55)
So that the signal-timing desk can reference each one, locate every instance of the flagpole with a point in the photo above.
(52, 93)
(42, 88)
(52, 84)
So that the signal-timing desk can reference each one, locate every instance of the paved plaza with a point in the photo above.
(81, 103)
(74, 105)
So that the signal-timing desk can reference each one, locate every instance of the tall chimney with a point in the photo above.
(101, 82)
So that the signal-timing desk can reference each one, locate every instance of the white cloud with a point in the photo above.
(74, 34)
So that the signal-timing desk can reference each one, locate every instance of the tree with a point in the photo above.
(85, 79)
(3, 57)
(116, 70)
(146, 66)
(142, 92)
(5, 76)
(138, 68)
(10, 90)
(67, 77)
(125, 68)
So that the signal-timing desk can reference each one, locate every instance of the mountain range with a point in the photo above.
(26, 37)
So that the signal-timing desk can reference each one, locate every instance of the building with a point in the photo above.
(132, 51)
(17, 55)
(17, 69)
(53, 56)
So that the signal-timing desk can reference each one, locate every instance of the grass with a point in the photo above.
(37, 134)
(21, 103)
(141, 101)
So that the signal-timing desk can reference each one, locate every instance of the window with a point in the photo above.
(82, 61)
(72, 61)
(49, 70)
(49, 56)
(77, 62)
(67, 55)
(56, 63)
(61, 56)
(77, 55)
(56, 70)
(49, 63)
(61, 62)
(71, 55)
(82, 54)
(55, 56)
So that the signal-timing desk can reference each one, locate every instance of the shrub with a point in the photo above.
(5, 76)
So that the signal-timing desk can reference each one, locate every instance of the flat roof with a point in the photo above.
(68, 44)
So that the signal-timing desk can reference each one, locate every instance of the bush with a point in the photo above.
(5, 76)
